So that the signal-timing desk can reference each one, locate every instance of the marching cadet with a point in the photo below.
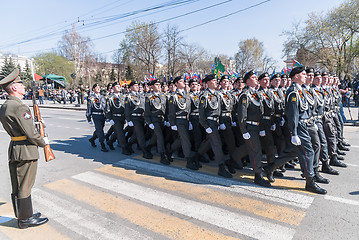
(225, 126)
(238, 86)
(318, 119)
(96, 110)
(250, 112)
(328, 123)
(134, 110)
(209, 113)
(155, 109)
(178, 116)
(116, 114)
(298, 116)
(17, 121)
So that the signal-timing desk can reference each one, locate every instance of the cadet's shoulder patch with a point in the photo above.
(171, 100)
(27, 115)
(202, 101)
(125, 102)
(294, 99)
(244, 101)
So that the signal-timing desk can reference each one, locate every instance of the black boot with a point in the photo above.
(223, 172)
(341, 153)
(147, 155)
(202, 158)
(196, 161)
(282, 168)
(342, 147)
(269, 171)
(25, 215)
(103, 147)
(258, 179)
(13, 200)
(92, 141)
(277, 173)
(110, 145)
(126, 151)
(191, 164)
(237, 165)
(169, 153)
(288, 165)
(341, 158)
(311, 186)
(318, 178)
(164, 159)
(326, 168)
(335, 162)
(230, 166)
(346, 144)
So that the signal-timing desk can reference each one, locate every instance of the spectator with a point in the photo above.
(41, 93)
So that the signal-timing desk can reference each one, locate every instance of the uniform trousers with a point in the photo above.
(22, 175)
(215, 142)
(314, 136)
(99, 122)
(305, 150)
(159, 136)
(196, 133)
(267, 141)
(331, 134)
(119, 132)
(323, 156)
(182, 129)
(139, 133)
(254, 148)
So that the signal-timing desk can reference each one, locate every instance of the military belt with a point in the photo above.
(195, 114)
(97, 113)
(117, 115)
(278, 115)
(19, 138)
(137, 114)
(266, 117)
(213, 118)
(305, 120)
(253, 123)
(181, 117)
(226, 114)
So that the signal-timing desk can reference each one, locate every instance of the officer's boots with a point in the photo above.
(169, 152)
(191, 164)
(25, 216)
(229, 163)
(223, 172)
(126, 150)
(258, 179)
(14, 205)
(311, 186)
(318, 178)
(164, 159)
(110, 144)
(269, 171)
(326, 168)
(342, 147)
(335, 162)
(103, 147)
(147, 154)
(92, 141)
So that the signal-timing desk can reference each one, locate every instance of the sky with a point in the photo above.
(32, 27)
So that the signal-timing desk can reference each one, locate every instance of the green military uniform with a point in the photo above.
(23, 153)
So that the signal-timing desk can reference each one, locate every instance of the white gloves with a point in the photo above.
(234, 124)
(90, 122)
(164, 123)
(174, 127)
(107, 120)
(130, 123)
(112, 122)
(46, 140)
(273, 127)
(316, 127)
(151, 126)
(282, 122)
(222, 127)
(209, 130)
(296, 140)
(168, 124)
(262, 133)
(246, 135)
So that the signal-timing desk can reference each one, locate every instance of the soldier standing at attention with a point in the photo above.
(17, 121)
(250, 112)
(96, 110)
(155, 109)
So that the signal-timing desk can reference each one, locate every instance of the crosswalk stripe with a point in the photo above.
(272, 194)
(79, 220)
(242, 224)
(342, 200)
(260, 208)
(8, 226)
(154, 220)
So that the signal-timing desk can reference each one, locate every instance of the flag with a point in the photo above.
(146, 79)
(296, 64)
(164, 79)
(283, 71)
(273, 73)
(171, 78)
(151, 76)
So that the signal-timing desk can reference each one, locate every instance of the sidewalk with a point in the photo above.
(351, 121)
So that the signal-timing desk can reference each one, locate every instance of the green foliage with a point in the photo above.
(7, 68)
(52, 63)
(112, 75)
(129, 73)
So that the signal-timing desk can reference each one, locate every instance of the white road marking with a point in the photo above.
(6, 218)
(80, 220)
(60, 143)
(249, 226)
(351, 165)
(276, 195)
(342, 200)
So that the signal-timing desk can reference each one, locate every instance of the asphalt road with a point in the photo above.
(88, 194)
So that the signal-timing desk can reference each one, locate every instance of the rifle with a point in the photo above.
(49, 155)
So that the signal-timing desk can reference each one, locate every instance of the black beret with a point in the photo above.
(95, 85)
(276, 75)
(164, 83)
(115, 83)
(295, 71)
(109, 86)
(324, 73)
(238, 79)
(284, 75)
(177, 79)
(192, 81)
(12, 77)
(209, 78)
(248, 75)
(224, 77)
(309, 70)
(263, 75)
(133, 82)
(153, 82)
(317, 73)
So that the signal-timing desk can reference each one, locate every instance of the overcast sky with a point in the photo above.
(31, 27)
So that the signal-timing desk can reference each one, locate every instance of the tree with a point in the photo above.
(46, 63)
(129, 73)
(190, 54)
(7, 68)
(112, 75)
(77, 48)
(141, 48)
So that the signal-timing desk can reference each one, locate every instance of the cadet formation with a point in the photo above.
(267, 122)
